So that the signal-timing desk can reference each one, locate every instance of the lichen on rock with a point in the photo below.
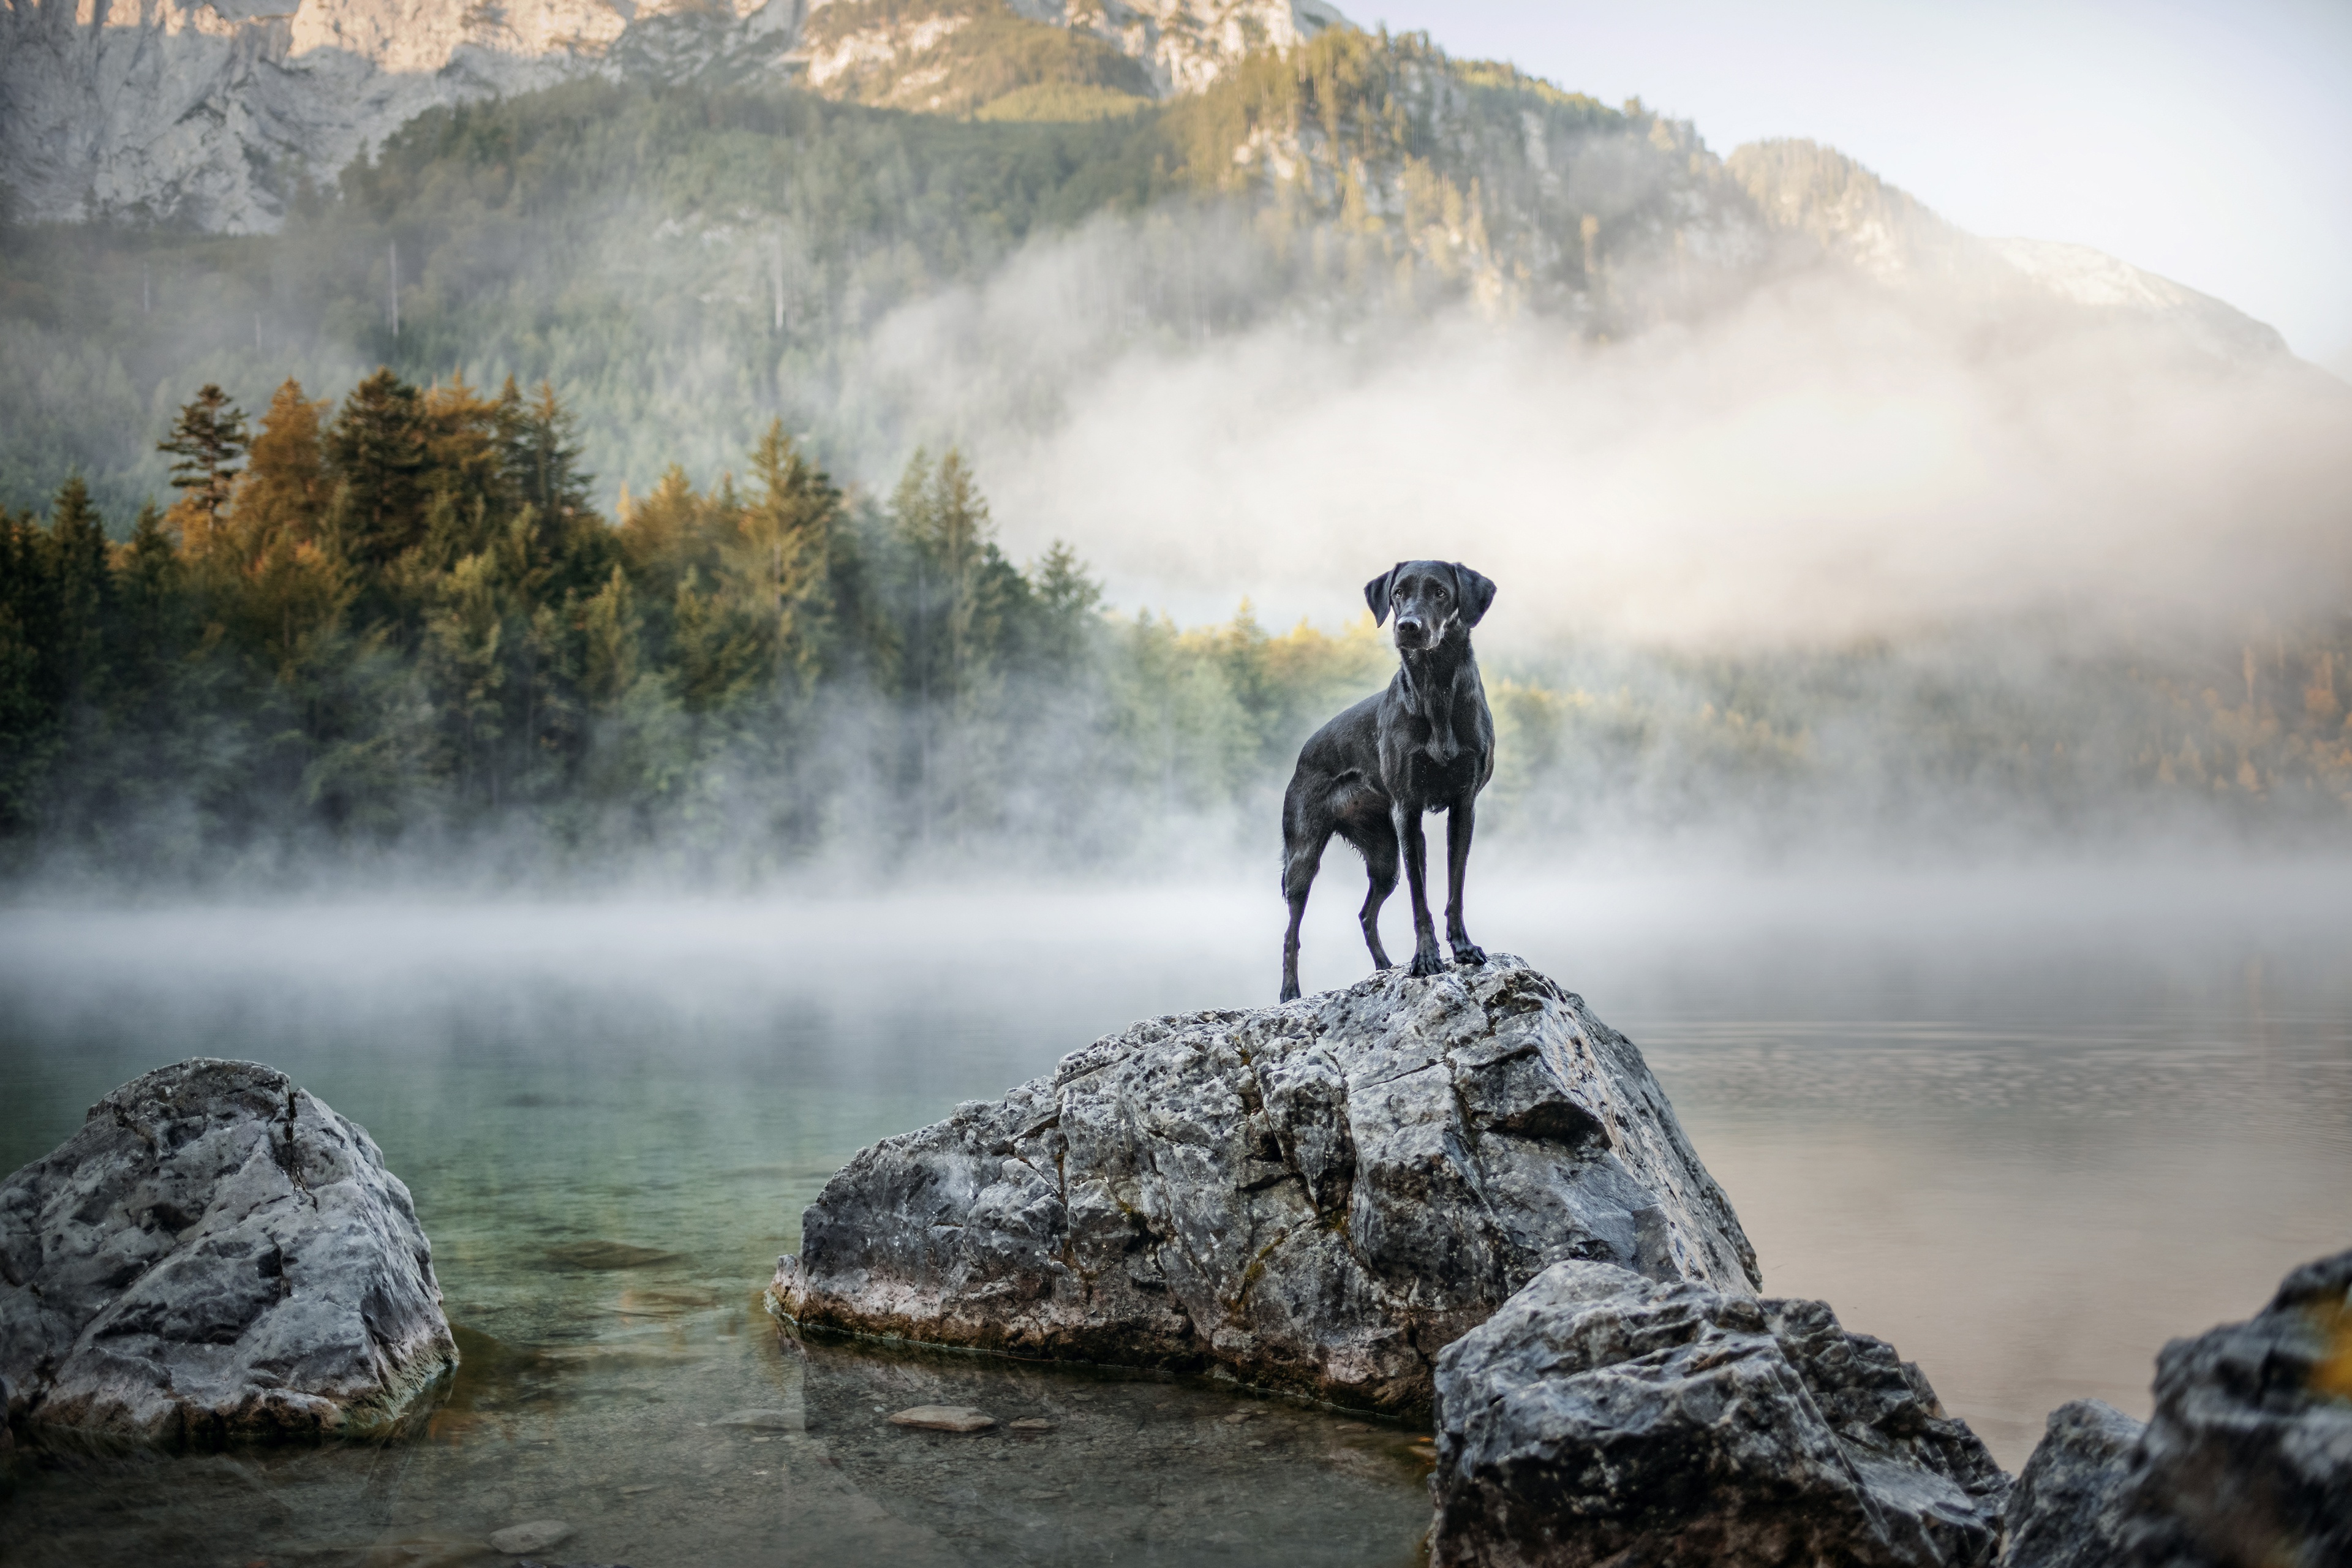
(1318, 1196)
(215, 1254)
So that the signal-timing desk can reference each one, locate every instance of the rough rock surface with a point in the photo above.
(212, 111)
(1319, 1195)
(1600, 1418)
(2246, 1463)
(2065, 1512)
(214, 1254)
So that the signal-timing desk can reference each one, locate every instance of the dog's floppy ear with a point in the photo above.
(1376, 593)
(1475, 593)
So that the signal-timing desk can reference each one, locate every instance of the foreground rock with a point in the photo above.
(1600, 1413)
(214, 1254)
(1320, 1195)
(2247, 1460)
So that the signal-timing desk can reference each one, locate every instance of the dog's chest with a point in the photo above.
(1436, 783)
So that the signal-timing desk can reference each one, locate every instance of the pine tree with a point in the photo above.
(285, 491)
(28, 710)
(784, 553)
(83, 590)
(208, 438)
(150, 633)
(540, 443)
(375, 451)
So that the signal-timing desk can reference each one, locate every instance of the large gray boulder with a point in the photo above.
(2246, 1463)
(1601, 1417)
(1319, 1195)
(215, 1254)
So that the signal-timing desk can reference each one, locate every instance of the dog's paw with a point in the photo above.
(1289, 990)
(1468, 952)
(1426, 963)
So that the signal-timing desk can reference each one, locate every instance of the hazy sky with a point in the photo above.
(2208, 142)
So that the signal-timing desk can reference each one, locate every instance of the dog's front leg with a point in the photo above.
(1407, 819)
(1459, 823)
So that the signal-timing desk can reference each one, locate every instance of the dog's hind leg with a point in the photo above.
(1459, 823)
(1302, 858)
(1379, 846)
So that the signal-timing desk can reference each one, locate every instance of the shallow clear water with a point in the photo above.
(2027, 1126)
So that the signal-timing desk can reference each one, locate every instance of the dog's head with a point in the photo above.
(1432, 600)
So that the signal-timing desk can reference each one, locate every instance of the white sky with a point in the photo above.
(2208, 142)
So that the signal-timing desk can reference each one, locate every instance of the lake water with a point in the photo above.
(2026, 1124)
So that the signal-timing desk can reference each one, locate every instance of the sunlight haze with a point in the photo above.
(2202, 142)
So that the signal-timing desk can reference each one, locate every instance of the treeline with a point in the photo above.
(398, 627)
(399, 623)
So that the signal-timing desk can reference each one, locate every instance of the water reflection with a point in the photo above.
(2027, 1137)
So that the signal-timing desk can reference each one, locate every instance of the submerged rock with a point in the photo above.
(2247, 1462)
(214, 1254)
(1320, 1195)
(1600, 1418)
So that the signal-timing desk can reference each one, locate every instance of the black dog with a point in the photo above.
(1427, 744)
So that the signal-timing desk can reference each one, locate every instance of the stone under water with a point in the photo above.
(1603, 1418)
(214, 1254)
(1319, 1195)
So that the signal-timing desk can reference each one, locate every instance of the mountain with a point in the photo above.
(1860, 220)
(691, 233)
(213, 113)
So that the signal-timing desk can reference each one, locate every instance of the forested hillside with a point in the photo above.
(691, 263)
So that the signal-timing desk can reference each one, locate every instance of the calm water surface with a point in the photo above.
(2025, 1125)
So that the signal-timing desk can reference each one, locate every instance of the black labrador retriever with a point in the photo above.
(1427, 744)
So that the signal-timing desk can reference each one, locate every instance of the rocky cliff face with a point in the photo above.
(212, 112)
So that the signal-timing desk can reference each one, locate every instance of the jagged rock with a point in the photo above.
(2247, 1462)
(1319, 1195)
(214, 1254)
(2065, 1510)
(1600, 1418)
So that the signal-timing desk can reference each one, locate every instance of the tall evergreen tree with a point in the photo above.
(286, 490)
(84, 594)
(375, 451)
(209, 437)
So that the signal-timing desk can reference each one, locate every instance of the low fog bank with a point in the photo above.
(1821, 460)
(1827, 937)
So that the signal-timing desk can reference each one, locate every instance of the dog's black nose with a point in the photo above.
(1408, 628)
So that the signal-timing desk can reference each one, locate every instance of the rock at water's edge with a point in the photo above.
(2247, 1460)
(1319, 1195)
(1600, 1418)
(214, 1254)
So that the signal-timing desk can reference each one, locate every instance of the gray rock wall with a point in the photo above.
(215, 1254)
(1320, 1195)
